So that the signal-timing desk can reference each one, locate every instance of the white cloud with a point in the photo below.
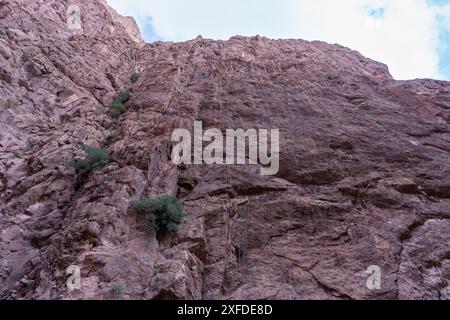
(405, 36)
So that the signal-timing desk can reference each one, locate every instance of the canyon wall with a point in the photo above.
(364, 175)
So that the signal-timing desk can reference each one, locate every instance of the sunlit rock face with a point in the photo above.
(363, 178)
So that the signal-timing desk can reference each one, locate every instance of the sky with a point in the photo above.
(411, 36)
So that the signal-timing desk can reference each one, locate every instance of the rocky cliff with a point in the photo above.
(364, 174)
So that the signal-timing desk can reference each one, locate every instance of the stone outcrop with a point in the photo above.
(363, 178)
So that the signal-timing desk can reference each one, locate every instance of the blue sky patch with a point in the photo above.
(148, 29)
(443, 23)
(377, 13)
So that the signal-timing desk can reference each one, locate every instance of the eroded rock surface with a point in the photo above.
(363, 180)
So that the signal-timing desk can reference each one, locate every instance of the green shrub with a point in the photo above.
(135, 76)
(187, 182)
(164, 213)
(123, 96)
(5, 33)
(93, 160)
(13, 103)
(116, 288)
(17, 275)
(117, 107)
(58, 99)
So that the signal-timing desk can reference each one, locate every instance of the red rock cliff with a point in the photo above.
(363, 180)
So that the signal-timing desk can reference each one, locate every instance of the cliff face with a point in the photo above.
(363, 180)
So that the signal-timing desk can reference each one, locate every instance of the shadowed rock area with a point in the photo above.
(364, 173)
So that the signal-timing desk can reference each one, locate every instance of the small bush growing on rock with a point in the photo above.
(3, 33)
(187, 182)
(116, 289)
(17, 275)
(94, 160)
(164, 213)
(123, 96)
(135, 76)
(13, 103)
(117, 107)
